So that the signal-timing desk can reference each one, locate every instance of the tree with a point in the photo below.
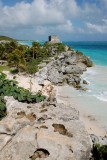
(2, 52)
(35, 49)
(10, 46)
(16, 58)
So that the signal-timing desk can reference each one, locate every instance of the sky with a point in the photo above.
(71, 20)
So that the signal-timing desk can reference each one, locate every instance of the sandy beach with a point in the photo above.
(91, 114)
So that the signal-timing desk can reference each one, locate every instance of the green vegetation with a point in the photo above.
(56, 47)
(4, 68)
(5, 38)
(99, 152)
(22, 58)
(32, 66)
(2, 107)
(27, 59)
(10, 88)
(60, 47)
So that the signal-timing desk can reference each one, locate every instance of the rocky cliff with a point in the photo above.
(47, 130)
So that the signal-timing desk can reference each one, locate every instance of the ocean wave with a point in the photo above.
(89, 90)
(102, 96)
(91, 71)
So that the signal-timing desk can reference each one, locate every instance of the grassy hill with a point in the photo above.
(5, 38)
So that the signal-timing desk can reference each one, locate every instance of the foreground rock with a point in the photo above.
(46, 130)
(65, 68)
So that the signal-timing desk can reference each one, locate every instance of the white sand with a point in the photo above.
(29, 83)
(93, 116)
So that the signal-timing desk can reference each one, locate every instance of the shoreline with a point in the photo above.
(91, 124)
(90, 109)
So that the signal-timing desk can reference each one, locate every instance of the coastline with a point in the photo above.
(75, 98)
(68, 113)
(92, 109)
(89, 114)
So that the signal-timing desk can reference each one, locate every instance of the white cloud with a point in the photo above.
(64, 28)
(41, 17)
(104, 20)
(67, 27)
(36, 13)
(101, 28)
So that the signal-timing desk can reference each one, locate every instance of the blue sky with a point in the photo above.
(72, 20)
(13, 2)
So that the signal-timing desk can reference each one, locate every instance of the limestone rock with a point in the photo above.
(67, 63)
(45, 130)
(85, 82)
(54, 76)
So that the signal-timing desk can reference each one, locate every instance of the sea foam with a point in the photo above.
(102, 96)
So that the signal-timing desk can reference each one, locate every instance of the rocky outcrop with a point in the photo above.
(46, 130)
(65, 68)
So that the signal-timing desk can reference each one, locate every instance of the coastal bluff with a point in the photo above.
(47, 130)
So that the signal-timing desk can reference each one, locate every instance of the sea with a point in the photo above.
(93, 102)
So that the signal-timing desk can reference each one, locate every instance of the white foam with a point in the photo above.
(102, 96)
(91, 71)
(89, 90)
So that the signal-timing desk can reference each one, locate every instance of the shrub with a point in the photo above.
(60, 47)
(99, 152)
(32, 66)
(14, 71)
(2, 107)
(10, 88)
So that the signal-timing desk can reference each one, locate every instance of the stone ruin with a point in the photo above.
(53, 39)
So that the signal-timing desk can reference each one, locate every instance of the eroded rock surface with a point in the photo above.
(47, 130)
(65, 68)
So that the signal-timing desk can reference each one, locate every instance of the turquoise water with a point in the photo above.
(97, 51)
(29, 43)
